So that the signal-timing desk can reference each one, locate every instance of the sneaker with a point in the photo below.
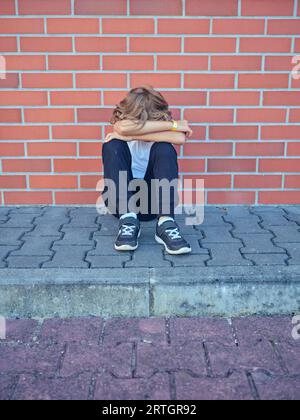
(129, 232)
(168, 234)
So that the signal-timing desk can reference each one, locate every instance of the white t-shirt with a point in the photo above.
(140, 152)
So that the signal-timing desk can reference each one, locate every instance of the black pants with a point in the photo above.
(162, 165)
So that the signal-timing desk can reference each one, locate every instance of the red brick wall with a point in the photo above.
(224, 65)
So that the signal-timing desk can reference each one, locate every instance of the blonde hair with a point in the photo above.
(142, 104)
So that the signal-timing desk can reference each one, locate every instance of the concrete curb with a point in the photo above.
(137, 292)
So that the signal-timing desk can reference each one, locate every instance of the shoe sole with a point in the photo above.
(127, 247)
(181, 251)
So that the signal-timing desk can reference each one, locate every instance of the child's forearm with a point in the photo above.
(172, 137)
(131, 128)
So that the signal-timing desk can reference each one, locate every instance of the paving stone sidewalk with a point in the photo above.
(150, 358)
(78, 237)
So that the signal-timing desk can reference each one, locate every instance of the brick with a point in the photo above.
(231, 197)
(77, 197)
(212, 181)
(266, 81)
(212, 8)
(214, 115)
(156, 7)
(155, 44)
(257, 181)
(231, 165)
(76, 165)
(100, 7)
(267, 8)
(47, 7)
(76, 132)
(283, 27)
(235, 132)
(26, 98)
(7, 7)
(51, 149)
(49, 115)
(24, 132)
(266, 45)
(158, 80)
(11, 149)
(72, 26)
(51, 81)
(12, 181)
(191, 165)
(113, 97)
(96, 44)
(226, 98)
(208, 149)
(28, 197)
(89, 181)
(10, 115)
(26, 165)
(85, 115)
(21, 26)
(52, 181)
(209, 45)
(26, 62)
(46, 44)
(127, 62)
(294, 115)
(280, 132)
(279, 165)
(8, 43)
(75, 98)
(182, 62)
(127, 26)
(183, 26)
(208, 81)
(282, 98)
(292, 181)
(279, 197)
(188, 98)
(261, 115)
(236, 63)
(11, 81)
(102, 80)
(259, 149)
(75, 62)
(238, 26)
(278, 63)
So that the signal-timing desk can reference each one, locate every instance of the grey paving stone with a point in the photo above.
(218, 235)
(46, 229)
(238, 212)
(148, 256)
(267, 259)
(26, 261)
(109, 225)
(286, 233)
(4, 250)
(35, 246)
(259, 244)
(290, 354)
(294, 252)
(36, 210)
(292, 210)
(11, 236)
(7, 386)
(212, 219)
(107, 261)
(233, 388)
(246, 225)
(274, 219)
(278, 388)
(83, 217)
(190, 260)
(76, 236)
(22, 220)
(104, 246)
(67, 256)
(228, 255)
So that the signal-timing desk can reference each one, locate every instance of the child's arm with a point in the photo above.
(131, 128)
(172, 137)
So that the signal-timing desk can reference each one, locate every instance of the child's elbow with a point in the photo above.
(120, 128)
(181, 138)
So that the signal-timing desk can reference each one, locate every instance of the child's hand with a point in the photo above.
(114, 135)
(184, 127)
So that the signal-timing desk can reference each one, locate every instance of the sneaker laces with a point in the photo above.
(127, 230)
(174, 233)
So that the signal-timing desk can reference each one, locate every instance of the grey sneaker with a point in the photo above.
(168, 234)
(129, 232)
